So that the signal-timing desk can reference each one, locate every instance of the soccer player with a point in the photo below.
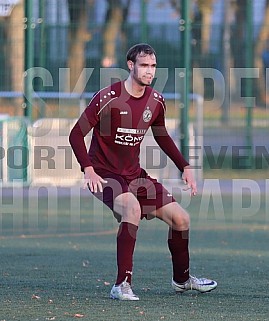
(120, 116)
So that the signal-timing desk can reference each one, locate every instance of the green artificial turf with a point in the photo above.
(58, 265)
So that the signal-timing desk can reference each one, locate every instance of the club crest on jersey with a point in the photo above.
(147, 115)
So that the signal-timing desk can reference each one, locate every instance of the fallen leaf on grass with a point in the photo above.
(78, 315)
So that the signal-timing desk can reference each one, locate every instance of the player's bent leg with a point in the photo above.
(174, 215)
(178, 238)
(178, 220)
(128, 208)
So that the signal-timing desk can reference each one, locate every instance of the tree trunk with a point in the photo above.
(78, 36)
(15, 50)
(112, 29)
(206, 11)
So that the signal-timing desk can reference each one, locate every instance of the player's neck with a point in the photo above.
(133, 88)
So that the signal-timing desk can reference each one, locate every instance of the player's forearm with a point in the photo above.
(77, 143)
(169, 147)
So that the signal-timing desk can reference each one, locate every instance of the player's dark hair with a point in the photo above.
(136, 50)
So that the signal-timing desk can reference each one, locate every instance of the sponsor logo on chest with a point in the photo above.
(129, 136)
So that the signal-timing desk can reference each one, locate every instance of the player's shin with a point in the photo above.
(126, 239)
(178, 244)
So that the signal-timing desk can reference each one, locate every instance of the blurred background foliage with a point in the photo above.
(63, 37)
(77, 34)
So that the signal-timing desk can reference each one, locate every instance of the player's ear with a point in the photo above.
(130, 65)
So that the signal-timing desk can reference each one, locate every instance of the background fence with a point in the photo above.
(54, 51)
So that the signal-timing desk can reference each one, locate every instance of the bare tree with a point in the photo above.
(14, 50)
(205, 7)
(116, 15)
(201, 18)
(78, 37)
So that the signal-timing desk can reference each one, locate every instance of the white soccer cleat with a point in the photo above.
(202, 285)
(123, 292)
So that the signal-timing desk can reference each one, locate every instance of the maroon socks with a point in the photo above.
(126, 239)
(178, 244)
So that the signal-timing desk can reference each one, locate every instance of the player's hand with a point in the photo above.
(93, 181)
(189, 180)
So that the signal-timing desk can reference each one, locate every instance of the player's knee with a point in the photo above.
(129, 208)
(133, 211)
(182, 222)
(185, 222)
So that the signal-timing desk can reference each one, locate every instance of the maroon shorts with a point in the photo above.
(150, 194)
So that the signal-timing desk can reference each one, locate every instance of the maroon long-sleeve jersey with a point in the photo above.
(119, 122)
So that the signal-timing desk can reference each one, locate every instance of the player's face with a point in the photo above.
(144, 69)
